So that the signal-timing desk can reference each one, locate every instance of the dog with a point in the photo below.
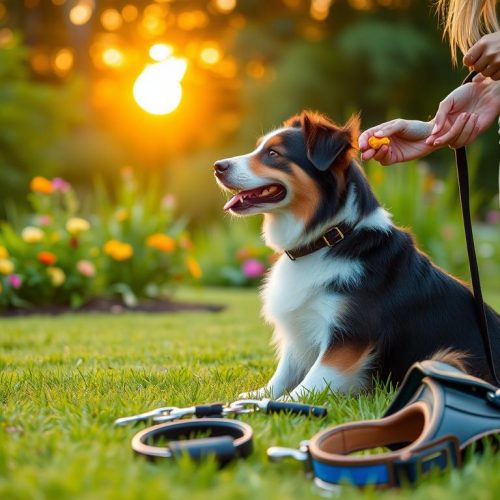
(350, 298)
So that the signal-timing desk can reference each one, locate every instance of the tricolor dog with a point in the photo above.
(350, 296)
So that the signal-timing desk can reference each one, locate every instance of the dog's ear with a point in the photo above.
(329, 145)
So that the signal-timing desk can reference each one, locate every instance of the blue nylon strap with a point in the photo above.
(439, 455)
(360, 475)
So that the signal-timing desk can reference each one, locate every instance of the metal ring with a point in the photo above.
(227, 439)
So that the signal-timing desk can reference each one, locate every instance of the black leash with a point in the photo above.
(463, 187)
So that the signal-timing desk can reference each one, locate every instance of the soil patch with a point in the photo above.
(117, 306)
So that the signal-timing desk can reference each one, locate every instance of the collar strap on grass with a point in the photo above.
(225, 440)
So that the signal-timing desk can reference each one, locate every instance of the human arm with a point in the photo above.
(484, 56)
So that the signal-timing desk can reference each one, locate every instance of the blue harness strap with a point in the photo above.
(360, 475)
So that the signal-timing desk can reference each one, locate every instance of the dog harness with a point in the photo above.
(437, 414)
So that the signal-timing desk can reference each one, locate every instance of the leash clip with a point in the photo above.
(494, 398)
(140, 417)
(175, 414)
(278, 453)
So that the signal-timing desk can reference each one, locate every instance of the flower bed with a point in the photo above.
(132, 247)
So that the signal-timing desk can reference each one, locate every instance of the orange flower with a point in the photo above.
(193, 267)
(246, 253)
(121, 215)
(118, 250)
(41, 185)
(47, 258)
(161, 242)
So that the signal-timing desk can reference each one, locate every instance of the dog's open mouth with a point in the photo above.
(272, 193)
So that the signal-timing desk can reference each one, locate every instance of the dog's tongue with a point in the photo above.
(233, 201)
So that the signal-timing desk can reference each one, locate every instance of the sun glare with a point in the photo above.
(157, 89)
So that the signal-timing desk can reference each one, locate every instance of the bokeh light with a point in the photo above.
(63, 61)
(160, 51)
(111, 19)
(40, 62)
(6, 37)
(113, 57)
(320, 9)
(82, 12)
(210, 53)
(130, 13)
(157, 89)
(225, 5)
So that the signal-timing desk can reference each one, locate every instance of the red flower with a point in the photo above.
(47, 258)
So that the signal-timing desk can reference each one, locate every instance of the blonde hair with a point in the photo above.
(466, 21)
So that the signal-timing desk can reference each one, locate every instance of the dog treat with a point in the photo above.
(378, 142)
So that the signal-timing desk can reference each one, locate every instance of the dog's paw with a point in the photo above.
(257, 394)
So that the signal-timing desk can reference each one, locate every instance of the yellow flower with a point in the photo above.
(193, 267)
(121, 215)
(76, 225)
(55, 236)
(161, 242)
(6, 266)
(118, 250)
(41, 185)
(32, 234)
(4, 253)
(57, 276)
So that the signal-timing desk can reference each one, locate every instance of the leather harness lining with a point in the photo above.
(405, 427)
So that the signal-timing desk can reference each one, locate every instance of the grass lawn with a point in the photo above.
(64, 380)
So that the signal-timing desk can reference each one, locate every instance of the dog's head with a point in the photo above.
(296, 168)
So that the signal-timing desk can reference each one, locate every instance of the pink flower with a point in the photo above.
(253, 268)
(45, 220)
(493, 217)
(168, 202)
(60, 185)
(15, 281)
(85, 268)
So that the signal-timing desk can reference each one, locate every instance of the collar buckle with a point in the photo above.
(333, 236)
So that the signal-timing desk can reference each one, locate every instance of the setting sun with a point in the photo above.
(157, 89)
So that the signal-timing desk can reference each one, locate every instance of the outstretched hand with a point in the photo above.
(408, 141)
(465, 113)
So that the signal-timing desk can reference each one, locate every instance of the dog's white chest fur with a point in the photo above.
(299, 304)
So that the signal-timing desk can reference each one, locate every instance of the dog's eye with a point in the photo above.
(272, 153)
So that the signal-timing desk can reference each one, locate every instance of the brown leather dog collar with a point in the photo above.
(333, 236)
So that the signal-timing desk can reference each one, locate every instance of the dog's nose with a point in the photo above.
(221, 166)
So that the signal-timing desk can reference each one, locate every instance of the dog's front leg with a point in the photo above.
(291, 368)
(341, 368)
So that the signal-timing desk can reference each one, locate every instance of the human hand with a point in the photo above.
(484, 56)
(407, 141)
(465, 113)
